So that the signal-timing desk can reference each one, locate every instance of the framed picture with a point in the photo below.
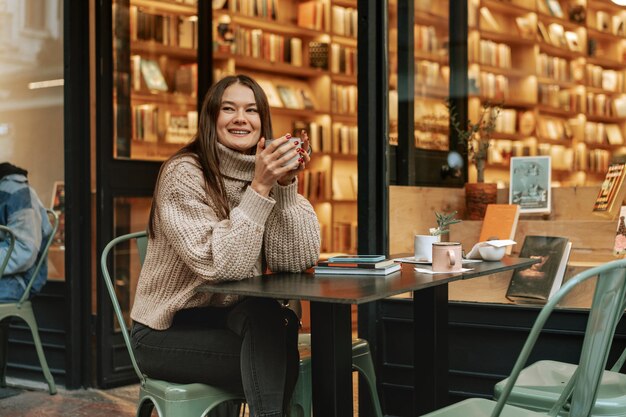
(58, 206)
(530, 183)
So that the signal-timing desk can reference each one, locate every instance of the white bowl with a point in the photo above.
(491, 253)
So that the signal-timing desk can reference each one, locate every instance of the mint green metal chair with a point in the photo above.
(24, 310)
(169, 399)
(361, 362)
(578, 396)
(540, 384)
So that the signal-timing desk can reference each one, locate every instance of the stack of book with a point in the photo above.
(357, 265)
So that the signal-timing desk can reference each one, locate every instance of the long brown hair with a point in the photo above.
(203, 147)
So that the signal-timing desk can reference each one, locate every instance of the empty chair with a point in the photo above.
(169, 399)
(580, 392)
(24, 310)
(540, 385)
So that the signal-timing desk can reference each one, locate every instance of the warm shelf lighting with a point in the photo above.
(620, 2)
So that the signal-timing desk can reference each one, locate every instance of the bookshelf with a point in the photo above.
(155, 77)
(560, 76)
(303, 53)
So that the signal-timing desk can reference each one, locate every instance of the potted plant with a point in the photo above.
(423, 243)
(476, 137)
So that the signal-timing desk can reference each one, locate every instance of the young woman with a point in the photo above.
(225, 207)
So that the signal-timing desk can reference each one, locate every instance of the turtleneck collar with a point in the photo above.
(235, 164)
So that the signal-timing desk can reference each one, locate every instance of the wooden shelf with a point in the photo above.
(431, 56)
(509, 72)
(606, 63)
(156, 49)
(508, 38)
(559, 52)
(567, 25)
(605, 119)
(542, 108)
(598, 90)
(423, 17)
(606, 36)
(345, 40)
(153, 6)
(343, 78)
(344, 118)
(176, 99)
(565, 142)
(345, 3)
(506, 8)
(259, 64)
(297, 113)
(274, 26)
(551, 81)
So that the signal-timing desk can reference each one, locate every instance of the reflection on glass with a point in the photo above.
(155, 77)
(31, 98)
(130, 215)
(432, 73)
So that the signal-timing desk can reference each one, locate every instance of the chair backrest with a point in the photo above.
(11, 236)
(605, 312)
(141, 237)
(43, 255)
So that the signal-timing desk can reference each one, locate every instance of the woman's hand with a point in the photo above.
(272, 163)
(305, 158)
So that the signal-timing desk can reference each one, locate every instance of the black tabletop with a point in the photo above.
(353, 289)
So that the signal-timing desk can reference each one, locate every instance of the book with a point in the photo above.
(270, 91)
(539, 282)
(152, 75)
(619, 247)
(288, 96)
(357, 258)
(530, 183)
(500, 222)
(368, 265)
(357, 271)
(612, 192)
(555, 8)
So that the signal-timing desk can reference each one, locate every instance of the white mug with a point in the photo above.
(423, 247)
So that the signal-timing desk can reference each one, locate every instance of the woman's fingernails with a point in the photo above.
(288, 135)
(296, 143)
(300, 159)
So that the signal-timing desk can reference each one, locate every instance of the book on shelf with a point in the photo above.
(540, 281)
(357, 271)
(288, 96)
(500, 222)
(273, 97)
(318, 55)
(619, 246)
(487, 20)
(555, 8)
(152, 75)
(612, 192)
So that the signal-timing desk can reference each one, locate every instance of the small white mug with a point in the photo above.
(423, 247)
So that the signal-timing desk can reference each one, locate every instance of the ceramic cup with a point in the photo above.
(423, 247)
(298, 143)
(447, 257)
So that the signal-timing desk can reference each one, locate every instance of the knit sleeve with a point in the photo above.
(213, 249)
(292, 235)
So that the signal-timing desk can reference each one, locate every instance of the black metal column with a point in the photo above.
(430, 344)
(331, 340)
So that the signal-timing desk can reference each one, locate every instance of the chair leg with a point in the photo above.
(29, 318)
(145, 409)
(364, 365)
(4, 350)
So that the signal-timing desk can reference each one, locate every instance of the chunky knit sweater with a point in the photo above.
(192, 246)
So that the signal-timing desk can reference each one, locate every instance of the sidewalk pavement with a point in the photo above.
(118, 402)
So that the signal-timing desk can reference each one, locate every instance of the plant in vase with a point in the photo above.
(423, 244)
(476, 136)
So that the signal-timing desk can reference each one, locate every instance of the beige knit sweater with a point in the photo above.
(192, 246)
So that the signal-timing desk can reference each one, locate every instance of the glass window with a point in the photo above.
(31, 100)
(130, 215)
(155, 77)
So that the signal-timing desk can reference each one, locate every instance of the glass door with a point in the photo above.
(148, 110)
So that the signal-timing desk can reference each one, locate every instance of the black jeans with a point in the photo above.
(252, 345)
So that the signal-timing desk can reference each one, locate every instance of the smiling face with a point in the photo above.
(238, 122)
